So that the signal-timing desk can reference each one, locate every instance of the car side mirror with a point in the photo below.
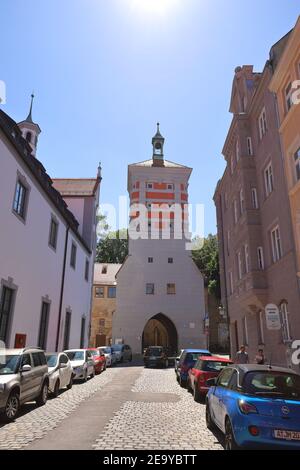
(26, 368)
(212, 382)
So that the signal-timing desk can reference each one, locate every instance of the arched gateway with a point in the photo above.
(160, 331)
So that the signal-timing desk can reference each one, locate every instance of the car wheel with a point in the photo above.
(56, 389)
(12, 407)
(70, 384)
(230, 443)
(130, 359)
(209, 422)
(182, 382)
(93, 374)
(188, 386)
(43, 396)
(85, 378)
(197, 395)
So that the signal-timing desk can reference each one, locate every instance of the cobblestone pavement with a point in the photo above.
(158, 426)
(34, 423)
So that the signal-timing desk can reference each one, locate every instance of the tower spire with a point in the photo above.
(158, 148)
(29, 117)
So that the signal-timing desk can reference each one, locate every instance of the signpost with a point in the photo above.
(273, 319)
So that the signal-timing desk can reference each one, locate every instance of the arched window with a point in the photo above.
(28, 136)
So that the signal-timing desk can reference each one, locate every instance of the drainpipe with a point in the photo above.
(62, 286)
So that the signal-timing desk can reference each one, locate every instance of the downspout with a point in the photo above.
(62, 288)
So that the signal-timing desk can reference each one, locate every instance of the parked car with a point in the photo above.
(82, 363)
(255, 406)
(60, 372)
(177, 359)
(206, 367)
(23, 377)
(186, 362)
(109, 355)
(156, 356)
(122, 352)
(99, 360)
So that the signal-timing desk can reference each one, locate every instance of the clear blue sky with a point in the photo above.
(105, 71)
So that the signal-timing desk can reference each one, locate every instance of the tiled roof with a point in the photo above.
(167, 164)
(108, 277)
(76, 186)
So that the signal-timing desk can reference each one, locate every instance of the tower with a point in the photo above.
(160, 291)
(30, 130)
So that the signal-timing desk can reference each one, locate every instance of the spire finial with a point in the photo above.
(29, 117)
(158, 127)
(99, 174)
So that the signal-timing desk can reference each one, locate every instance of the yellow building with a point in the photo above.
(286, 85)
(104, 303)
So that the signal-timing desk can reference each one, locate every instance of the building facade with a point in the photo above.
(286, 84)
(257, 249)
(46, 252)
(160, 291)
(104, 303)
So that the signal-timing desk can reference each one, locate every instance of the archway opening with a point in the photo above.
(160, 331)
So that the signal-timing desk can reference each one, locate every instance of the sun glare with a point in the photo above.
(159, 7)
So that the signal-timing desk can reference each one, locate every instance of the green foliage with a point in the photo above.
(207, 260)
(113, 247)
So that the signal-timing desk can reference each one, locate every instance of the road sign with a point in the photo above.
(273, 320)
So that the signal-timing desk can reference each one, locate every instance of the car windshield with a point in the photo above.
(191, 357)
(214, 366)
(154, 352)
(117, 347)
(51, 360)
(75, 355)
(9, 363)
(273, 384)
(106, 350)
(94, 352)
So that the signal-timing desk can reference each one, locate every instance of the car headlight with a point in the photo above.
(2, 388)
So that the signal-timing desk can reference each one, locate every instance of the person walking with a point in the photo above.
(242, 357)
(260, 357)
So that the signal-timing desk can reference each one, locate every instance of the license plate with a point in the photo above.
(287, 435)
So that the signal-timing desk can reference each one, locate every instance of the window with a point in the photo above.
(249, 146)
(245, 331)
(102, 322)
(276, 244)
(235, 212)
(260, 258)
(73, 255)
(149, 185)
(171, 289)
(5, 312)
(239, 263)
(112, 292)
(20, 198)
(231, 165)
(171, 186)
(231, 282)
(242, 202)
(150, 289)
(260, 327)
(28, 137)
(288, 97)
(86, 270)
(247, 258)
(43, 331)
(150, 260)
(237, 150)
(225, 377)
(286, 335)
(297, 164)
(170, 260)
(99, 292)
(53, 233)
(269, 183)
(262, 123)
(104, 270)
(254, 198)
(67, 330)
(82, 332)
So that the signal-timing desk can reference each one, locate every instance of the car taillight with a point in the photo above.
(254, 431)
(246, 408)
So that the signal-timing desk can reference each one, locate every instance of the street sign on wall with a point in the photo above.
(273, 320)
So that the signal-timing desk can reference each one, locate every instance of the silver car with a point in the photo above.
(82, 363)
(60, 372)
(23, 377)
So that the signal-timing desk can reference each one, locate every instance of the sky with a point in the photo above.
(105, 71)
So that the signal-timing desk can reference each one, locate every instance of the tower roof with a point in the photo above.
(167, 164)
(158, 135)
(29, 119)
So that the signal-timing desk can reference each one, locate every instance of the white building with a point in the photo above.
(47, 246)
(160, 291)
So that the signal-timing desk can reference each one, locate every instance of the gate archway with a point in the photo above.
(160, 331)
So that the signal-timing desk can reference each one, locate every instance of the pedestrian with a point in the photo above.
(242, 356)
(260, 357)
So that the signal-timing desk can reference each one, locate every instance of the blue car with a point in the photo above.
(255, 406)
(186, 361)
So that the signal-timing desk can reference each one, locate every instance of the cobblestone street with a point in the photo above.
(123, 408)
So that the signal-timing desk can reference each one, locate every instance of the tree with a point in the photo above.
(112, 247)
(207, 260)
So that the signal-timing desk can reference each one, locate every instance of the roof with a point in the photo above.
(196, 351)
(215, 358)
(167, 164)
(14, 135)
(76, 186)
(108, 278)
(244, 368)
